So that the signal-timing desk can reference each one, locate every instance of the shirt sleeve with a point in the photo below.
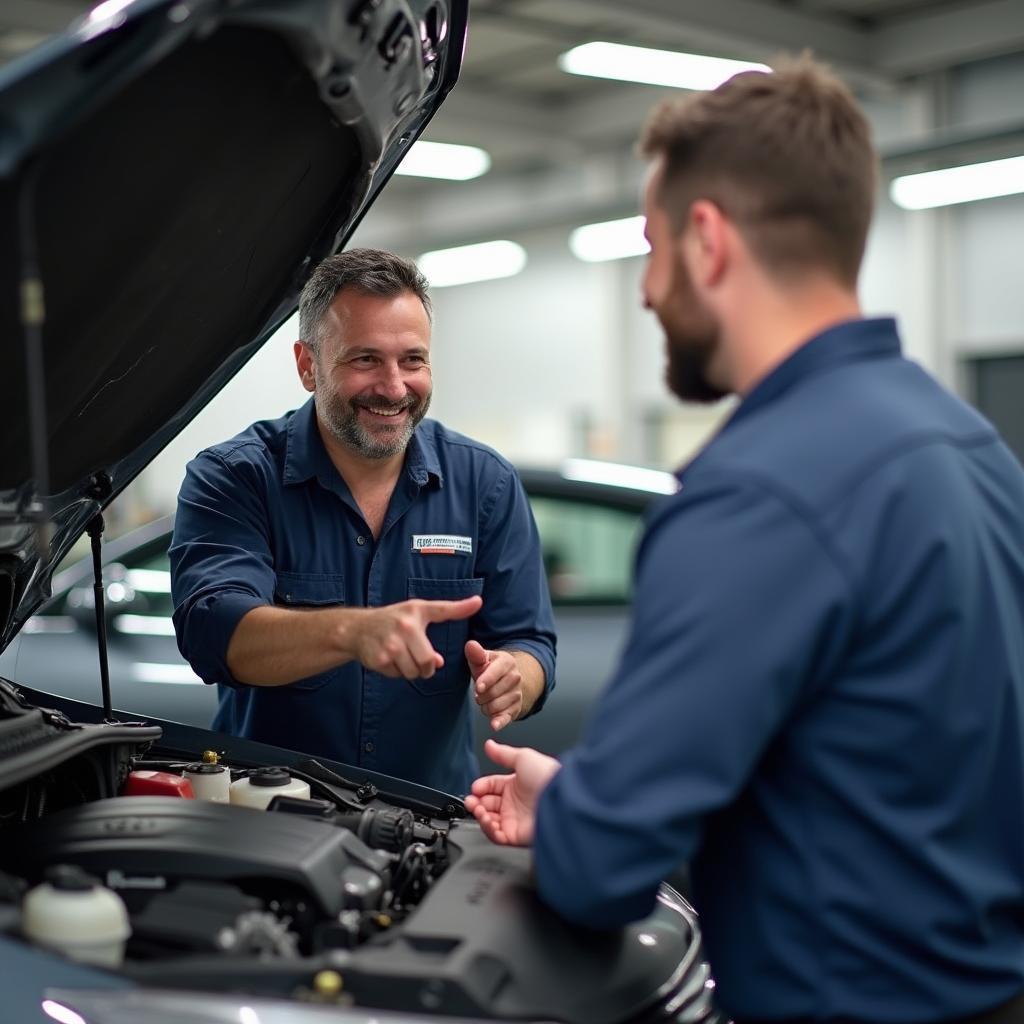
(516, 613)
(740, 608)
(221, 562)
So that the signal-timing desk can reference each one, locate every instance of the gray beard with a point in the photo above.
(343, 423)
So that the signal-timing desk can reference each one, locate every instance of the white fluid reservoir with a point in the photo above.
(73, 914)
(210, 782)
(261, 785)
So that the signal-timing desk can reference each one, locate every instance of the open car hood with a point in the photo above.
(170, 171)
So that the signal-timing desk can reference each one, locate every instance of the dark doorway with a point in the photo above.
(997, 388)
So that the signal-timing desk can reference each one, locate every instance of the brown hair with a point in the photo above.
(372, 271)
(788, 157)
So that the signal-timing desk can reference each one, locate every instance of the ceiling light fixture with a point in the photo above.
(609, 240)
(954, 185)
(466, 264)
(444, 160)
(652, 67)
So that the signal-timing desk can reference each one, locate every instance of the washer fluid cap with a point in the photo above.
(269, 777)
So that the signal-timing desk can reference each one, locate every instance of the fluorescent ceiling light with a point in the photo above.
(468, 263)
(609, 240)
(444, 160)
(959, 184)
(636, 477)
(652, 67)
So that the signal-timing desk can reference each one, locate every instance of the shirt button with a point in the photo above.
(368, 747)
(360, 540)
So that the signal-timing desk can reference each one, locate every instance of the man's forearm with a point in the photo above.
(533, 679)
(275, 646)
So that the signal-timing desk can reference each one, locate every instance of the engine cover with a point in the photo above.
(155, 842)
(482, 944)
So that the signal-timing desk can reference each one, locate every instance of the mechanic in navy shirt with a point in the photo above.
(345, 572)
(821, 703)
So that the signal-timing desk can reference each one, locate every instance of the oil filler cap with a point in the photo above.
(263, 785)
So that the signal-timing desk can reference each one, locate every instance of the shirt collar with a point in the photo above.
(421, 461)
(306, 457)
(849, 342)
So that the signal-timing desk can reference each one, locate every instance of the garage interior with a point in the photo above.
(558, 360)
(525, 222)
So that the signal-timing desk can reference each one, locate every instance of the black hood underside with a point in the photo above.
(168, 178)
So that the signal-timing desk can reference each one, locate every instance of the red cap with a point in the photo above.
(146, 783)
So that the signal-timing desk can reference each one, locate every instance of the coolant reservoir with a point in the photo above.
(210, 782)
(75, 915)
(261, 785)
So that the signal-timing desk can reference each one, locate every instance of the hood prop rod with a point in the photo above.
(95, 531)
(32, 315)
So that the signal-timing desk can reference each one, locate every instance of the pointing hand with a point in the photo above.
(393, 639)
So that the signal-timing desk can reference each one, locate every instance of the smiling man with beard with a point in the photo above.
(821, 703)
(353, 575)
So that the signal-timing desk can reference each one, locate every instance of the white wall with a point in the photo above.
(265, 387)
(989, 270)
(521, 362)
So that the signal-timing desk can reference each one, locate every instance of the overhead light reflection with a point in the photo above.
(60, 1012)
(144, 625)
(152, 581)
(636, 477)
(107, 9)
(162, 672)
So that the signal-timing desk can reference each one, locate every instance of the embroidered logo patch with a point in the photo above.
(441, 544)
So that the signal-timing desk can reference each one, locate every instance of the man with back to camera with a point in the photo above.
(344, 572)
(820, 703)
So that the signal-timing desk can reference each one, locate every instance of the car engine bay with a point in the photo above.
(297, 882)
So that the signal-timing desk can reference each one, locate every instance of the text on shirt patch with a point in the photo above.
(441, 544)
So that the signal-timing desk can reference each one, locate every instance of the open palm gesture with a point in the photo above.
(506, 805)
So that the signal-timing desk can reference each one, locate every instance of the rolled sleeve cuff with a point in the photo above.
(545, 658)
(210, 624)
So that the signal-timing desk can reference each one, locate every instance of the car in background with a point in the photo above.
(589, 515)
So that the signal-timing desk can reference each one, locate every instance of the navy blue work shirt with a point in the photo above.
(266, 518)
(821, 703)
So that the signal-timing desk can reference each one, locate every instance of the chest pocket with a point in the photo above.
(447, 638)
(310, 590)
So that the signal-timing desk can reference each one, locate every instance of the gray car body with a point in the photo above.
(56, 650)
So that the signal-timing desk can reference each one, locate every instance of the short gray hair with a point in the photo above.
(371, 271)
